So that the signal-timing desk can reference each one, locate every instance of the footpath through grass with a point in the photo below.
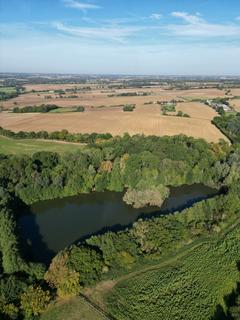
(75, 309)
(30, 146)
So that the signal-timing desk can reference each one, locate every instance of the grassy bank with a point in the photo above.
(73, 309)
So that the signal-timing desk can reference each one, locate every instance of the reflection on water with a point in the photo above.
(54, 224)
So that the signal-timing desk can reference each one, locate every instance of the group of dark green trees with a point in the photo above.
(10, 93)
(62, 135)
(43, 108)
(229, 124)
(141, 167)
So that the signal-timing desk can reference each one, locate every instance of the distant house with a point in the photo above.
(218, 106)
(223, 106)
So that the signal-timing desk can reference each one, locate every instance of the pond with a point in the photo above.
(49, 226)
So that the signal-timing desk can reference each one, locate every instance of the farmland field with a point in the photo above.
(43, 87)
(145, 119)
(236, 104)
(28, 146)
(98, 97)
(7, 89)
(103, 111)
(197, 110)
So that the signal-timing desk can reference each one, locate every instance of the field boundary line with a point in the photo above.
(96, 308)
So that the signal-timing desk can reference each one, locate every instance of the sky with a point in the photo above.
(145, 37)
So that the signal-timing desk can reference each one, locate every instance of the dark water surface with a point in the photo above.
(51, 225)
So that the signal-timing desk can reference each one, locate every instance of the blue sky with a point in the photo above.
(120, 36)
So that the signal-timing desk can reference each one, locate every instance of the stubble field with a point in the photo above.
(103, 113)
(236, 104)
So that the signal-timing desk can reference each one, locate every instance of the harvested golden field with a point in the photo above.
(197, 110)
(199, 93)
(41, 87)
(235, 104)
(89, 99)
(145, 119)
(98, 97)
(27, 100)
(235, 92)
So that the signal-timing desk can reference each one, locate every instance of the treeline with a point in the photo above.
(43, 108)
(19, 279)
(229, 124)
(130, 94)
(5, 95)
(62, 135)
(137, 163)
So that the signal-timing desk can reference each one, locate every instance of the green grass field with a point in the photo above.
(75, 309)
(63, 110)
(7, 89)
(30, 146)
(194, 99)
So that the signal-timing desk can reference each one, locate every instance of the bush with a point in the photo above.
(80, 109)
(34, 301)
(153, 196)
(170, 107)
(129, 107)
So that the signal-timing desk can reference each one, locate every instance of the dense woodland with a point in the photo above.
(143, 168)
(229, 125)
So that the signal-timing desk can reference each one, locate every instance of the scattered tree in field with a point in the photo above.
(129, 107)
(169, 107)
(80, 109)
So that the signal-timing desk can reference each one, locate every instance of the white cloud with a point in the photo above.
(156, 16)
(195, 26)
(112, 33)
(238, 18)
(193, 19)
(80, 5)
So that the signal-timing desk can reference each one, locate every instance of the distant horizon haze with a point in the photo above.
(177, 37)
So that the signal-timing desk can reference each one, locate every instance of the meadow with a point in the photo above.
(29, 146)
